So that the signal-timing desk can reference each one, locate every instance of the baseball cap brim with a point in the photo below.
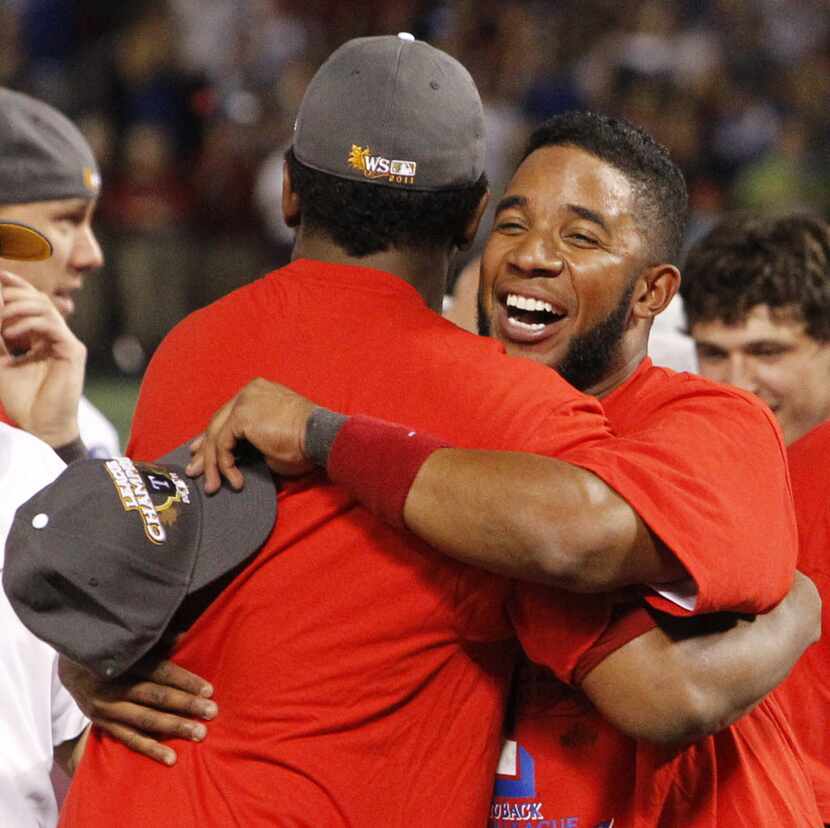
(83, 574)
(232, 526)
(23, 243)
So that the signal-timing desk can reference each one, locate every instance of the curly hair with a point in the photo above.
(748, 259)
(372, 218)
(659, 185)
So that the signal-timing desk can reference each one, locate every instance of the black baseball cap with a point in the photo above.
(99, 561)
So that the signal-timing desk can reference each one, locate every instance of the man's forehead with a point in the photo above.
(567, 177)
(761, 322)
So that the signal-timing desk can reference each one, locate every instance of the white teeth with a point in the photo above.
(527, 326)
(528, 303)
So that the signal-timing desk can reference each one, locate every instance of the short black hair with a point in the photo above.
(750, 259)
(371, 218)
(659, 185)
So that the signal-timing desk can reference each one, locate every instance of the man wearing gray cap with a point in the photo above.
(40, 722)
(361, 677)
(49, 179)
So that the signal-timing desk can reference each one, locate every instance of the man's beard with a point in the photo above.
(590, 355)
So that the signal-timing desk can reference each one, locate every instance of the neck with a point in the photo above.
(425, 270)
(633, 350)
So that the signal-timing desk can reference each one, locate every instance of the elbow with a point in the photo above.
(589, 548)
(677, 719)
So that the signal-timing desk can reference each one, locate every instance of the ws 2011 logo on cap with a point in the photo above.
(376, 166)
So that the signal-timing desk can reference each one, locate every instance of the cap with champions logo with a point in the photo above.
(45, 156)
(24, 243)
(98, 562)
(393, 111)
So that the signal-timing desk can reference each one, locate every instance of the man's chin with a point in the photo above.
(543, 355)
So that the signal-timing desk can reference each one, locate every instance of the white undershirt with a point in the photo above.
(36, 712)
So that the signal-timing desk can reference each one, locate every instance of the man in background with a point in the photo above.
(757, 297)
(40, 721)
(49, 179)
(756, 293)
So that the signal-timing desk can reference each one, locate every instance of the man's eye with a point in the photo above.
(710, 355)
(71, 218)
(769, 350)
(582, 239)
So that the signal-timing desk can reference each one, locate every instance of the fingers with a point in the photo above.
(172, 675)
(213, 452)
(162, 698)
(29, 317)
(139, 742)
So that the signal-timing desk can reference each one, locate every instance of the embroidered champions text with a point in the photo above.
(132, 491)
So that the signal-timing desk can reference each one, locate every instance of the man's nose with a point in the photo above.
(537, 256)
(87, 254)
(741, 373)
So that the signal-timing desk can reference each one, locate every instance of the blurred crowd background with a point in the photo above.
(189, 105)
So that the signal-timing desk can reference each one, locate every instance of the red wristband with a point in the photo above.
(377, 462)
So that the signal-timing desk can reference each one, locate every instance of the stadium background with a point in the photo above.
(189, 105)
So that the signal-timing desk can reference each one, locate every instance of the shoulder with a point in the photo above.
(809, 460)
(24, 457)
(806, 451)
(659, 388)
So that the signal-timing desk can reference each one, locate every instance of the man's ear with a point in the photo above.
(656, 287)
(472, 225)
(291, 213)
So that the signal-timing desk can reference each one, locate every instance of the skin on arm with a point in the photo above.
(68, 754)
(527, 516)
(40, 388)
(691, 677)
(157, 700)
(536, 519)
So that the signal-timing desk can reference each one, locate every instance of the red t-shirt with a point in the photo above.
(716, 459)
(360, 675)
(805, 695)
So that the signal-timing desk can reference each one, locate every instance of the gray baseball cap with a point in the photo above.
(99, 561)
(43, 155)
(393, 111)
(24, 243)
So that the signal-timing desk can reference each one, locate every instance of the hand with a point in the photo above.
(158, 698)
(41, 388)
(271, 417)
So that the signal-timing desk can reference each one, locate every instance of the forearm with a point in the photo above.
(527, 516)
(68, 754)
(691, 677)
(733, 670)
(533, 518)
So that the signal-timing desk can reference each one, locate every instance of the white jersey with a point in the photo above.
(36, 712)
(97, 432)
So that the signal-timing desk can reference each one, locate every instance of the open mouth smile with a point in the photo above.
(525, 318)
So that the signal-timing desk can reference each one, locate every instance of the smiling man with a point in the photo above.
(756, 291)
(757, 294)
(49, 180)
(579, 262)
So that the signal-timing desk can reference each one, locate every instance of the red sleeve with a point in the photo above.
(558, 629)
(706, 470)
(629, 624)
